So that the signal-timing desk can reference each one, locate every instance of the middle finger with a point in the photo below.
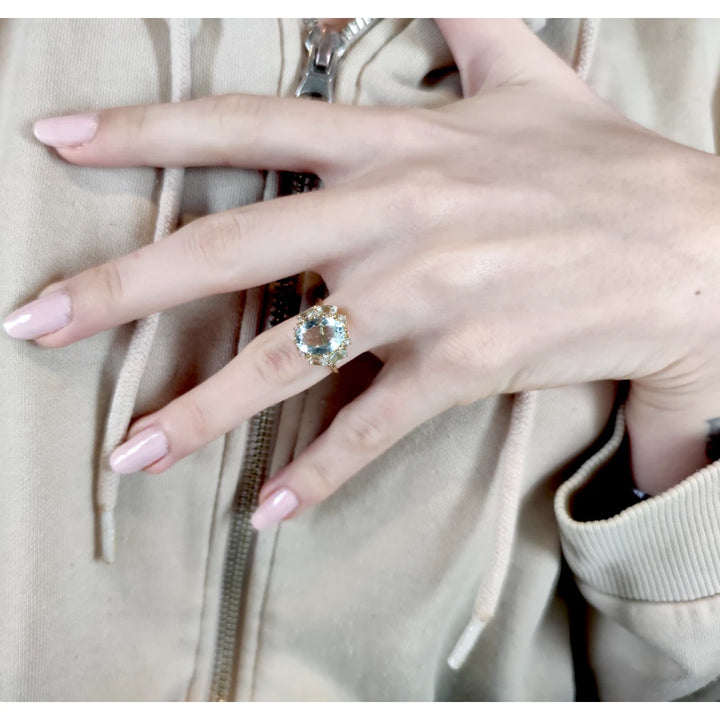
(233, 250)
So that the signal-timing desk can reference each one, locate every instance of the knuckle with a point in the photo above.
(389, 138)
(322, 482)
(141, 120)
(415, 124)
(111, 282)
(420, 199)
(213, 242)
(475, 365)
(417, 130)
(235, 105)
(277, 363)
(406, 128)
(458, 356)
(363, 432)
(197, 420)
(235, 113)
(473, 349)
(450, 270)
(461, 358)
(133, 129)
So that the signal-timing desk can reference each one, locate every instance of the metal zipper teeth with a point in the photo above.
(353, 31)
(237, 555)
(281, 302)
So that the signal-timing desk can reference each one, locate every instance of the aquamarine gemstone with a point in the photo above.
(320, 336)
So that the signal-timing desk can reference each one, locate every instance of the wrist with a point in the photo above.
(669, 443)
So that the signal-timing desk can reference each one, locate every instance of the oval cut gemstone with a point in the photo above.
(320, 336)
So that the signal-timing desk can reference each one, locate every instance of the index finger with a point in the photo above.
(246, 131)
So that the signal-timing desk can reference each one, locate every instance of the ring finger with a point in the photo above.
(269, 370)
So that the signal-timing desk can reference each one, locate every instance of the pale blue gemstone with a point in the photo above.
(320, 336)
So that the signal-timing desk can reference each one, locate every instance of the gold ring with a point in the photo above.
(321, 335)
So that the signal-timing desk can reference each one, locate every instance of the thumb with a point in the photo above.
(492, 53)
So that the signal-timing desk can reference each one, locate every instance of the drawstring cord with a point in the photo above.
(587, 41)
(512, 458)
(510, 470)
(138, 353)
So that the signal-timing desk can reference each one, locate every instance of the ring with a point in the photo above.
(321, 335)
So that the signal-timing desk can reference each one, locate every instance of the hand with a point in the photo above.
(525, 237)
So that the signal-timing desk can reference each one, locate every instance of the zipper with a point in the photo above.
(281, 301)
(325, 49)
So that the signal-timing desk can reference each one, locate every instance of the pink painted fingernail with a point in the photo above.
(66, 131)
(279, 505)
(40, 317)
(140, 451)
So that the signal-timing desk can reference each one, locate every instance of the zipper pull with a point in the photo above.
(325, 48)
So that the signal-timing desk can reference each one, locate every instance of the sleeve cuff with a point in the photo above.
(664, 549)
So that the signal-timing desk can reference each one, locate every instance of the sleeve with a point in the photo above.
(651, 576)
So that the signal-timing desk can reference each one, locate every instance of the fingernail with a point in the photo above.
(66, 131)
(140, 451)
(39, 317)
(279, 505)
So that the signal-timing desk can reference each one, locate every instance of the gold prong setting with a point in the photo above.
(321, 335)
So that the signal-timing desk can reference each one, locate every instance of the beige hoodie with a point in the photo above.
(454, 533)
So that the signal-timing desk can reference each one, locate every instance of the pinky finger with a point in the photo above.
(388, 410)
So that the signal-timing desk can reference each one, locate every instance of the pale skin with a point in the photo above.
(563, 243)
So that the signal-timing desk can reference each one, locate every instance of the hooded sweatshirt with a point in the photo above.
(474, 560)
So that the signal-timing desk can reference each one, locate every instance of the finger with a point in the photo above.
(238, 130)
(387, 411)
(268, 370)
(493, 53)
(229, 251)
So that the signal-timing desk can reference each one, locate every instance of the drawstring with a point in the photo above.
(131, 372)
(587, 40)
(510, 470)
(511, 464)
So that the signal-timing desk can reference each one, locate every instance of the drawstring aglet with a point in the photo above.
(107, 535)
(466, 642)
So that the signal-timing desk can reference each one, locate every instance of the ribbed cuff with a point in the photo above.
(664, 549)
